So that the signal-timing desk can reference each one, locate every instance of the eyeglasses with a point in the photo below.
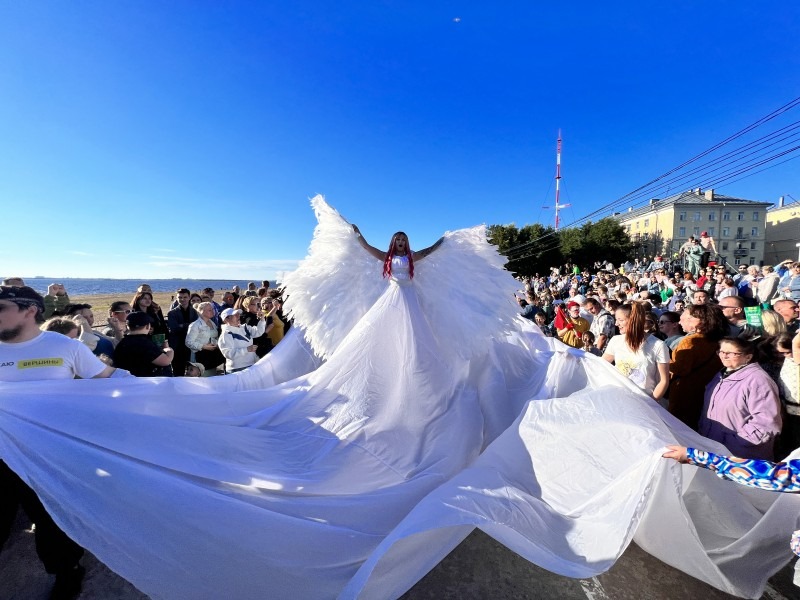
(664, 322)
(127, 311)
(724, 353)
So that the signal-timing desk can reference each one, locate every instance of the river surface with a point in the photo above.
(82, 287)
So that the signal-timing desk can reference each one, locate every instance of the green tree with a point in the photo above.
(530, 249)
(535, 248)
(572, 242)
(609, 241)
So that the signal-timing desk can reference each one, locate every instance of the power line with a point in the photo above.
(554, 243)
(647, 188)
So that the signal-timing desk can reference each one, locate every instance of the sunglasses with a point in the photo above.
(121, 312)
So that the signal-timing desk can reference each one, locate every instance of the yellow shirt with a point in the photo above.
(276, 333)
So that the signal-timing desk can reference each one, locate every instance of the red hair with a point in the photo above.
(387, 261)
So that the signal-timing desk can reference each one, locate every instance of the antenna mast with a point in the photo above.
(558, 178)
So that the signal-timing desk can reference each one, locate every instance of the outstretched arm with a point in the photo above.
(426, 251)
(778, 477)
(371, 249)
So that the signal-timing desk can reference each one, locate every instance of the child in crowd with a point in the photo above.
(588, 344)
(194, 369)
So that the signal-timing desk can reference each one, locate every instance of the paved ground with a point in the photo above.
(479, 568)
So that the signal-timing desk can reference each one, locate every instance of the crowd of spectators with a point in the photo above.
(196, 336)
(718, 347)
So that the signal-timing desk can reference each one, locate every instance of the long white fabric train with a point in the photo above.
(390, 422)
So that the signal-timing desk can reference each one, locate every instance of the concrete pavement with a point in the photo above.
(479, 568)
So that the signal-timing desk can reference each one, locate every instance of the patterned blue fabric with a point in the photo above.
(763, 474)
(778, 477)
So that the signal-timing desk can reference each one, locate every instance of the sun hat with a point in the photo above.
(197, 366)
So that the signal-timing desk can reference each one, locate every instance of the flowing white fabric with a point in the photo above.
(462, 287)
(352, 476)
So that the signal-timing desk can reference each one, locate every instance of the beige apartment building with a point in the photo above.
(738, 226)
(783, 232)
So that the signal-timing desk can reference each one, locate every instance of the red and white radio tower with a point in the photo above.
(558, 178)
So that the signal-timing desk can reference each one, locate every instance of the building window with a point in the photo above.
(647, 222)
(628, 227)
(752, 260)
(755, 215)
(681, 231)
(726, 216)
(737, 261)
(696, 216)
(754, 231)
(682, 215)
(739, 233)
(637, 224)
(726, 232)
(696, 232)
(724, 245)
(740, 217)
(711, 231)
(712, 216)
(752, 245)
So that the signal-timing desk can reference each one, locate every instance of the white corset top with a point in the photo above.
(400, 271)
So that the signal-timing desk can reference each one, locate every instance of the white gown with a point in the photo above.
(391, 421)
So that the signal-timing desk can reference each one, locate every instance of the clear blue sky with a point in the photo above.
(161, 139)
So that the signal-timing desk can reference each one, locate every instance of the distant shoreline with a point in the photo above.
(84, 286)
(142, 279)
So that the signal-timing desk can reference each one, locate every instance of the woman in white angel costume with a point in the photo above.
(395, 418)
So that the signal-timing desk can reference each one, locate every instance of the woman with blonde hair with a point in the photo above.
(772, 323)
(641, 357)
(202, 338)
(252, 311)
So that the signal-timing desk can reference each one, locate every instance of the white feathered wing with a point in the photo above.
(335, 285)
(465, 293)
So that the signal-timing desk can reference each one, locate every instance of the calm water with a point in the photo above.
(127, 287)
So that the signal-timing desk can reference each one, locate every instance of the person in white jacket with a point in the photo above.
(236, 340)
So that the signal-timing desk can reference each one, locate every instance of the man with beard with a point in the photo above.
(29, 354)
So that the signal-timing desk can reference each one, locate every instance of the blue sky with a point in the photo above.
(183, 139)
